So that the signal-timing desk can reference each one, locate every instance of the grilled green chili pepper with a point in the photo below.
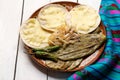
(45, 55)
(48, 49)
(52, 48)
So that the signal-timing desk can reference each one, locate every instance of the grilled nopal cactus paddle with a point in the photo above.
(64, 65)
(75, 64)
(87, 45)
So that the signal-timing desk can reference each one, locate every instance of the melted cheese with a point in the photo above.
(33, 35)
(52, 16)
(84, 18)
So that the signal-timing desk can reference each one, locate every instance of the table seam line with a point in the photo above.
(16, 59)
(77, 1)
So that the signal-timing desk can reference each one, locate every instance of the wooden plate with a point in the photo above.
(89, 60)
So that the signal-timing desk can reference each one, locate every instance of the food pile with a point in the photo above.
(62, 38)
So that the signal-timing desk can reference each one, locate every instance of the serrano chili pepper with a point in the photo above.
(48, 49)
(45, 55)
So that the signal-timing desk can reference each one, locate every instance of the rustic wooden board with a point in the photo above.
(10, 19)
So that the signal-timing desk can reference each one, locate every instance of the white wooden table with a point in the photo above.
(14, 63)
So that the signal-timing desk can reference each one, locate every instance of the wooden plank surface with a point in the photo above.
(26, 68)
(10, 18)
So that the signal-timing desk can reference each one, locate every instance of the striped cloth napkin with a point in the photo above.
(108, 66)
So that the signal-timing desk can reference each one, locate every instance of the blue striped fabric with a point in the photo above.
(108, 66)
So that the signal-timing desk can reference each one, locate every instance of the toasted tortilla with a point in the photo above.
(52, 16)
(84, 18)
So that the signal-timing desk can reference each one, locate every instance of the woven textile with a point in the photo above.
(107, 67)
